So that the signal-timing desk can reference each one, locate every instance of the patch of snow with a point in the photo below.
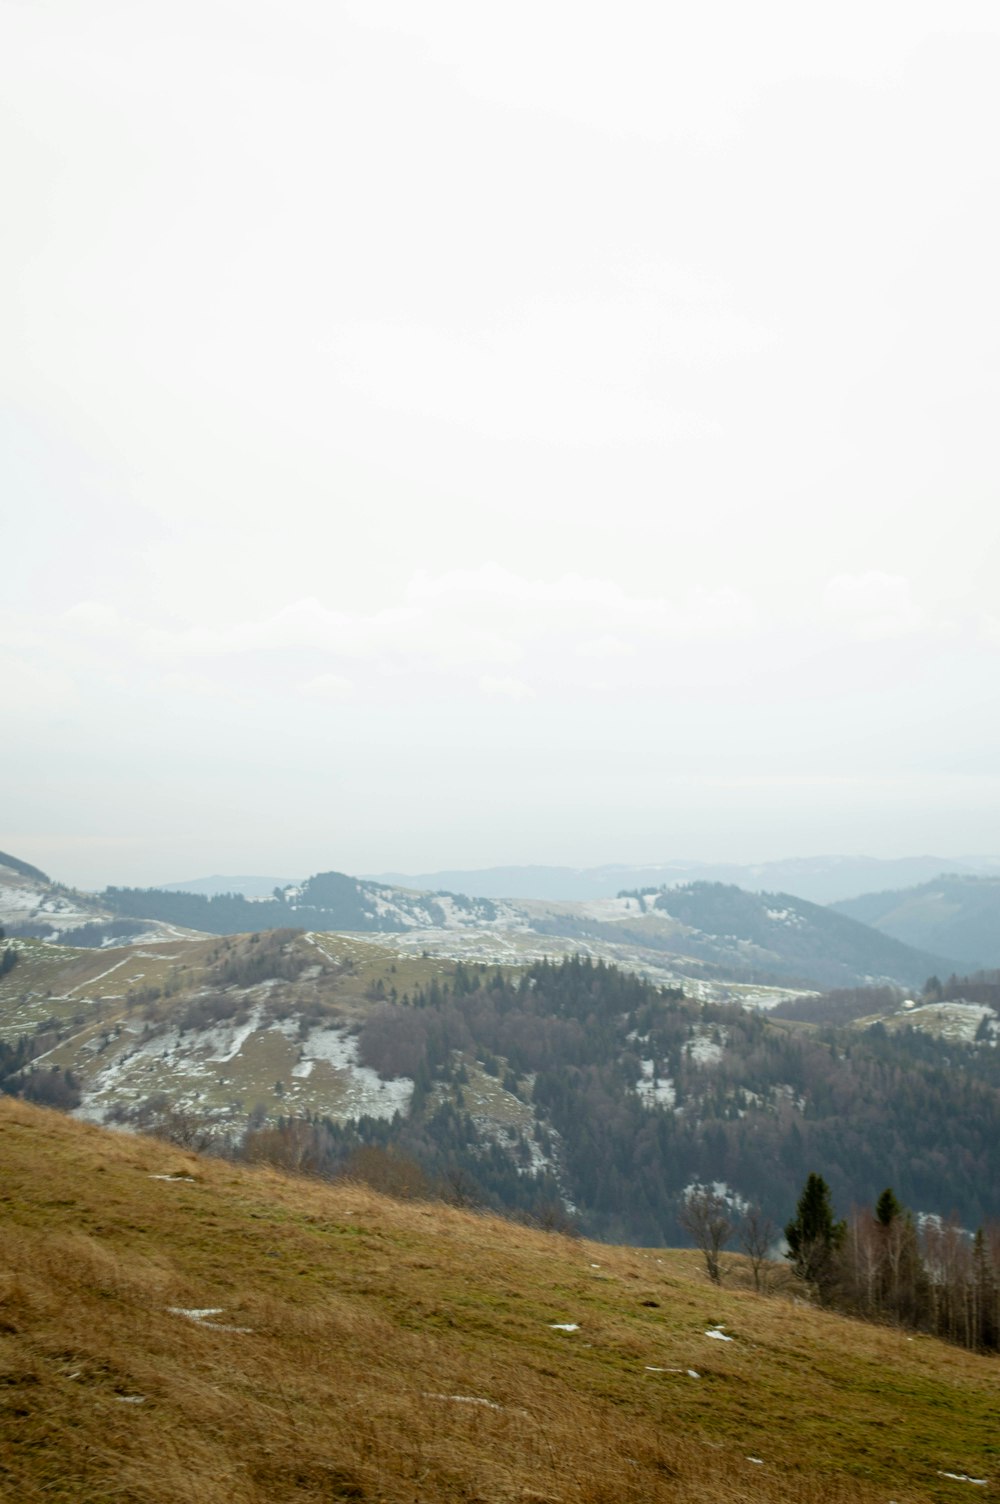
(228, 1040)
(703, 1049)
(466, 1399)
(964, 1478)
(367, 1094)
(953, 1020)
(655, 1092)
(100, 976)
(617, 910)
(310, 936)
(693, 1373)
(131, 1399)
(722, 1190)
(200, 1314)
(785, 916)
(719, 1335)
(765, 998)
(790, 1095)
(565, 1326)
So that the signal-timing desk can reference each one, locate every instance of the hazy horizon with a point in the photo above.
(437, 437)
(151, 874)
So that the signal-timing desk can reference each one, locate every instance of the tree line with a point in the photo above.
(881, 1263)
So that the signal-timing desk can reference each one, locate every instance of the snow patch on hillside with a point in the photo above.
(439, 911)
(789, 1094)
(722, 1190)
(24, 903)
(703, 1049)
(655, 1092)
(123, 1067)
(785, 916)
(616, 910)
(952, 1020)
(367, 1094)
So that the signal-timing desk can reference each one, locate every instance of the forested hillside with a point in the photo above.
(326, 901)
(636, 1094)
(560, 1088)
(708, 932)
(955, 914)
(780, 935)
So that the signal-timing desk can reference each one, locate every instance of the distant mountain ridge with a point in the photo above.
(787, 932)
(954, 913)
(821, 879)
(713, 931)
(325, 901)
(755, 937)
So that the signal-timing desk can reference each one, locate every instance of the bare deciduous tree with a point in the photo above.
(757, 1234)
(707, 1220)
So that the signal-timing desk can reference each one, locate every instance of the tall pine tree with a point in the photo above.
(814, 1237)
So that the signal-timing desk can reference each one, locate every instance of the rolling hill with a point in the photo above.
(955, 914)
(766, 937)
(176, 1328)
(696, 932)
(821, 879)
(567, 1087)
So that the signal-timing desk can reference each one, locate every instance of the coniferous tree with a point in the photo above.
(814, 1237)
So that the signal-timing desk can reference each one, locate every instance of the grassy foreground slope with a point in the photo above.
(362, 1348)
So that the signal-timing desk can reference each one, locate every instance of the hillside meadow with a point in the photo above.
(176, 1328)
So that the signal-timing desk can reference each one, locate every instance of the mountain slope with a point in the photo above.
(694, 933)
(778, 935)
(32, 904)
(569, 1086)
(820, 879)
(325, 901)
(954, 914)
(175, 1328)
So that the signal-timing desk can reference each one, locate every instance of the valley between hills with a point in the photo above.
(396, 1212)
(558, 1078)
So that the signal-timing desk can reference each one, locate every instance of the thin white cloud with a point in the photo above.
(506, 688)
(989, 627)
(328, 687)
(453, 622)
(198, 686)
(605, 649)
(872, 605)
(42, 691)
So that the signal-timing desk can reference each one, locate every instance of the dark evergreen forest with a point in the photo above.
(756, 1104)
(328, 901)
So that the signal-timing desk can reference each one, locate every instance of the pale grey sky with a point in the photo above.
(439, 434)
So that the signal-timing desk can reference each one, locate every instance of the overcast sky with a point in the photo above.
(454, 434)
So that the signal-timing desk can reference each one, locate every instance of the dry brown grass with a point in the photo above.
(368, 1317)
